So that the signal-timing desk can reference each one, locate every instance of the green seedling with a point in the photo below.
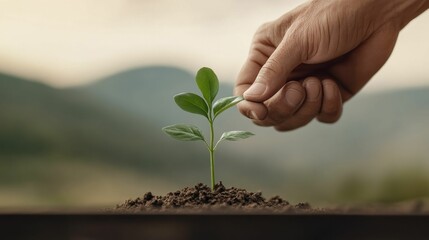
(208, 84)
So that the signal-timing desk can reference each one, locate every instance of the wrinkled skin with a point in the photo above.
(308, 62)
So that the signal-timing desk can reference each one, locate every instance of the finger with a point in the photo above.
(248, 72)
(285, 102)
(258, 55)
(252, 110)
(265, 41)
(309, 109)
(331, 104)
(274, 72)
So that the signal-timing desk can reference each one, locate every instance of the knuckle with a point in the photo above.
(262, 31)
(277, 117)
(300, 35)
(294, 85)
(278, 111)
(328, 81)
(263, 27)
(271, 67)
(314, 92)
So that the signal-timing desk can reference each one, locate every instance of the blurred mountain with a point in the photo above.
(108, 134)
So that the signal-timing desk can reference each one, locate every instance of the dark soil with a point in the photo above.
(202, 198)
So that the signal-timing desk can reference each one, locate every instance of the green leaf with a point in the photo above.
(235, 135)
(208, 84)
(224, 103)
(184, 132)
(192, 103)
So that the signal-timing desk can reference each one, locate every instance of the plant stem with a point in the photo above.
(211, 150)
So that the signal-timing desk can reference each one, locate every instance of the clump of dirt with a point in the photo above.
(201, 197)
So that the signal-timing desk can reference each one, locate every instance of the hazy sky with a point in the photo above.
(65, 42)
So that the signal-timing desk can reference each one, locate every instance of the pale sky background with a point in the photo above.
(71, 42)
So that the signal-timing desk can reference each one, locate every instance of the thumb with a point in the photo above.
(274, 73)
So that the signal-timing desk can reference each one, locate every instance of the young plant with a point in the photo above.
(209, 85)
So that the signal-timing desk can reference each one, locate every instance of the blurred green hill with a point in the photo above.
(101, 143)
(45, 133)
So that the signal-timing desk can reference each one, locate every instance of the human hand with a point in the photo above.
(311, 60)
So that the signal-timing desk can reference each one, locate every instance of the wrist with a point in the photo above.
(397, 13)
(404, 11)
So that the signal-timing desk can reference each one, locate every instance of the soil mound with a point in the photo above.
(201, 197)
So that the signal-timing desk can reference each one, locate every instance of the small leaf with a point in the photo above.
(235, 135)
(184, 132)
(208, 84)
(192, 103)
(225, 103)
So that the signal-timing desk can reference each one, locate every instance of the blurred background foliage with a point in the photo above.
(99, 144)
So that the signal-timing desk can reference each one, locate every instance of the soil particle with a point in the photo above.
(201, 197)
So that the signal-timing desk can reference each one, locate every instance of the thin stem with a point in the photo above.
(211, 150)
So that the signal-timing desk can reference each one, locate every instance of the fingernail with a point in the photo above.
(256, 89)
(253, 115)
(313, 90)
(293, 97)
